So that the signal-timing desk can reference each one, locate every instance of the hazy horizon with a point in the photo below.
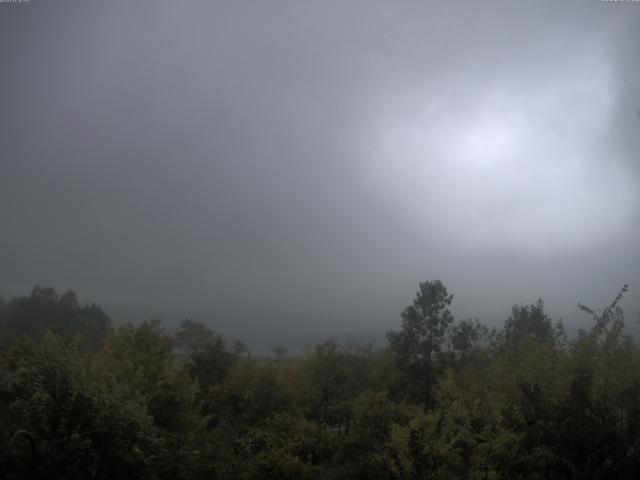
(300, 167)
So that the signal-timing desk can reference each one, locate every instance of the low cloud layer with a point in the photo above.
(304, 165)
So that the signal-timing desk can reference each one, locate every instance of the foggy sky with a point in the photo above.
(303, 165)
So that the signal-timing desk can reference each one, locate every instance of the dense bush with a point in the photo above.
(446, 399)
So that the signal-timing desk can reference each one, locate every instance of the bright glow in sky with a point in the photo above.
(272, 164)
(499, 169)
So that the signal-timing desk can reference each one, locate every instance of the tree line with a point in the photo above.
(444, 399)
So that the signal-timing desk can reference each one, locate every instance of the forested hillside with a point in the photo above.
(445, 398)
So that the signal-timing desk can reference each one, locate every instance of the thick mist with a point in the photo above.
(300, 167)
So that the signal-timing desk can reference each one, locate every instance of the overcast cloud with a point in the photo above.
(303, 165)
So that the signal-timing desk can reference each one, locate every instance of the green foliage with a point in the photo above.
(79, 431)
(44, 310)
(529, 322)
(211, 365)
(425, 325)
(135, 359)
(194, 336)
(291, 448)
(336, 375)
(523, 402)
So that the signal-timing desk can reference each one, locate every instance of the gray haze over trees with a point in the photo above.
(299, 166)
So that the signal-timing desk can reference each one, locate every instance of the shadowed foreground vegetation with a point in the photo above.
(445, 399)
